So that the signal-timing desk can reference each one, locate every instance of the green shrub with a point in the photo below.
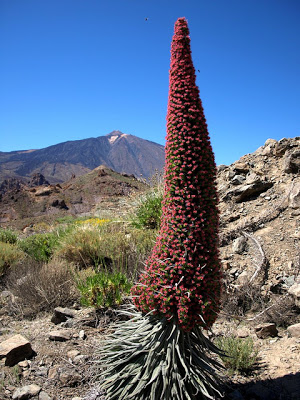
(8, 236)
(148, 209)
(111, 246)
(104, 289)
(240, 353)
(9, 255)
(40, 246)
(89, 248)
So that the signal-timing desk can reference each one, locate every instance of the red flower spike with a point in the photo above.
(185, 256)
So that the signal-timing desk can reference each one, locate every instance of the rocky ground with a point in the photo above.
(259, 238)
(62, 363)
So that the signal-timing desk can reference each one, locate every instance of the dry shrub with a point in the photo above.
(282, 311)
(248, 299)
(237, 301)
(41, 287)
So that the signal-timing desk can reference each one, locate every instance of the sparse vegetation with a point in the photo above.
(240, 354)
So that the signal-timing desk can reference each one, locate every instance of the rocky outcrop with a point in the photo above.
(11, 184)
(38, 179)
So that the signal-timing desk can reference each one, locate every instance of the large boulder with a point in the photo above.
(15, 349)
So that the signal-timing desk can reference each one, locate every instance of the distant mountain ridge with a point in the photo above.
(121, 152)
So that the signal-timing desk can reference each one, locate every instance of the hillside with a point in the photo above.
(119, 151)
(23, 203)
(259, 249)
(260, 208)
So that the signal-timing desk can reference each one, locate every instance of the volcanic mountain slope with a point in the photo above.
(24, 204)
(119, 151)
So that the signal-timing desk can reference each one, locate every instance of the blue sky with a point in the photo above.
(73, 69)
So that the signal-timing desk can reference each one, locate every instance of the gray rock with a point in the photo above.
(234, 271)
(294, 198)
(239, 245)
(221, 167)
(53, 372)
(294, 291)
(68, 324)
(265, 330)
(243, 278)
(294, 330)
(15, 349)
(242, 332)
(24, 364)
(82, 334)
(62, 314)
(73, 353)
(246, 192)
(60, 336)
(26, 392)
(44, 396)
(70, 378)
(80, 359)
(241, 167)
(238, 180)
(42, 371)
(292, 162)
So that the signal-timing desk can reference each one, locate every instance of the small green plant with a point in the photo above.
(40, 246)
(149, 209)
(16, 374)
(104, 289)
(8, 236)
(9, 255)
(240, 354)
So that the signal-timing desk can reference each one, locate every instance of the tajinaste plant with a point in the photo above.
(160, 352)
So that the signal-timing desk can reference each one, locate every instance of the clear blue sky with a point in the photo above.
(73, 69)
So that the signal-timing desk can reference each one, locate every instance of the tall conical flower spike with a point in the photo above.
(182, 278)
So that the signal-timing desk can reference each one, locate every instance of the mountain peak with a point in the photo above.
(114, 135)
